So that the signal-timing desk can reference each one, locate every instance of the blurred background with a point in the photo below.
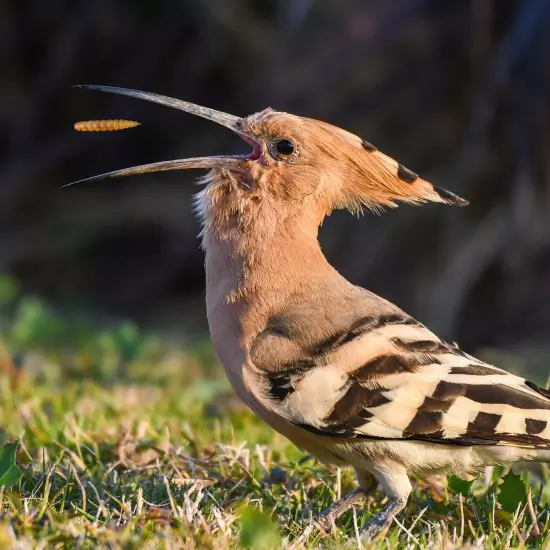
(458, 91)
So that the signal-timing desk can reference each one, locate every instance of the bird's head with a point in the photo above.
(296, 161)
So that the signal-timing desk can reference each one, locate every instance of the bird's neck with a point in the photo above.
(251, 254)
(256, 243)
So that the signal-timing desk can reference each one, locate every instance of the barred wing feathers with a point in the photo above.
(388, 377)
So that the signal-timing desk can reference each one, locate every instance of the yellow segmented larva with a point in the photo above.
(105, 125)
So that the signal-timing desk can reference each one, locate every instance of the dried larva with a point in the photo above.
(109, 125)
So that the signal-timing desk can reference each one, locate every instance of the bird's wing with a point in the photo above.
(389, 377)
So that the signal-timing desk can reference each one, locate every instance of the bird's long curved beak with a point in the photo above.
(232, 122)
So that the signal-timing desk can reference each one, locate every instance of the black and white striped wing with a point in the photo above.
(391, 378)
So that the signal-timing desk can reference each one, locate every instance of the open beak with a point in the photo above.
(232, 122)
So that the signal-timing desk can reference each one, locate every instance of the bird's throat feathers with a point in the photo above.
(255, 239)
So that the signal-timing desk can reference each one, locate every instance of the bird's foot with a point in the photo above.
(325, 523)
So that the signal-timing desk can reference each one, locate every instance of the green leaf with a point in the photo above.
(257, 530)
(459, 486)
(512, 492)
(10, 472)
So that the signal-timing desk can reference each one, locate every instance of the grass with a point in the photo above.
(127, 442)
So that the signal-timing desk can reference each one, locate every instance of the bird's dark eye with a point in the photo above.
(284, 147)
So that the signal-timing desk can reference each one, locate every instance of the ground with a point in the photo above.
(128, 441)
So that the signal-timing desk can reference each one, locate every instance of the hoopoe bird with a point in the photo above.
(344, 374)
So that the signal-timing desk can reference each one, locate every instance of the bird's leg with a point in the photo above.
(397, 487)
(325, 519)
(383, 518)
